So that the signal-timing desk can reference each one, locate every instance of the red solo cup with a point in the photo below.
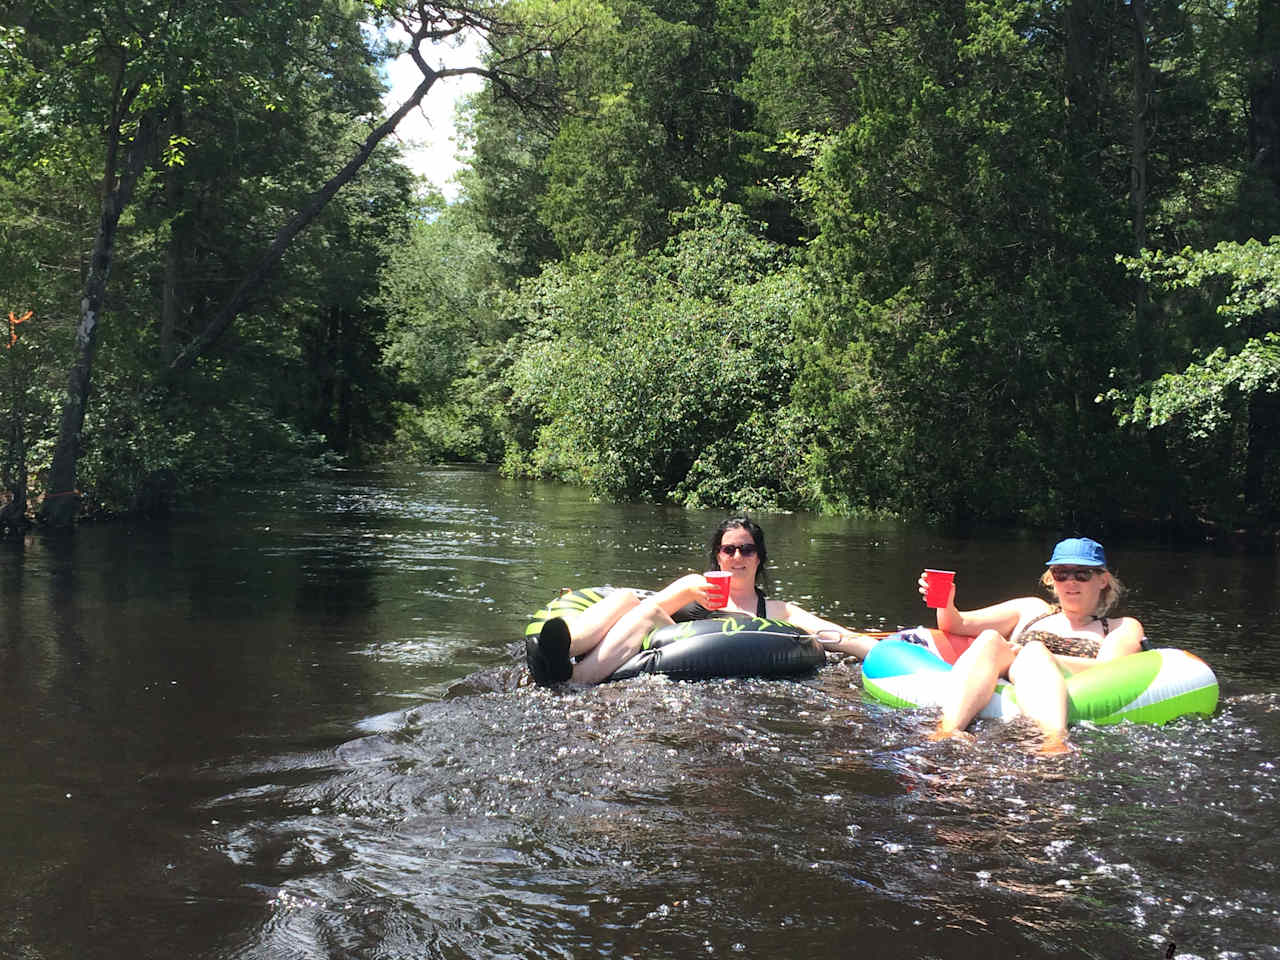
(719, 595)
(938, 587)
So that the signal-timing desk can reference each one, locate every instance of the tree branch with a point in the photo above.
(244, 291)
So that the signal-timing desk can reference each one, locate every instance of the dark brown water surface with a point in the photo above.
(292, 728)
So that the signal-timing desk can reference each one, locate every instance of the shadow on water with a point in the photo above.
(303, 734)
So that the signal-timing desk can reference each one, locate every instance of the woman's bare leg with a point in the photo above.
(973, 681)
(622, 641)
(588, 628)
(1042, 693)
(549, 655)
(620, 644)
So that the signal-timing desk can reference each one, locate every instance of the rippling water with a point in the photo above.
(294, 727)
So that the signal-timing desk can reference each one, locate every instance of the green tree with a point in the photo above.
(140, 80)
(440, 289)
(960, 306)
(1208, 406)
(977, 168)
(505, 176)
(44, 211)
(665, 376)
(647, 115)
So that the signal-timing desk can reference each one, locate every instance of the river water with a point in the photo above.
(292, 727)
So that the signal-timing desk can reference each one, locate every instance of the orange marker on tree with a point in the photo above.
(13, 325)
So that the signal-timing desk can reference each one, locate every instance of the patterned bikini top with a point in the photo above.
(1063, 646)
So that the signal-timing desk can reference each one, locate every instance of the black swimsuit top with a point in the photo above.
(696, 611)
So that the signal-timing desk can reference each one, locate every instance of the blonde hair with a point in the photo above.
(1107, 599)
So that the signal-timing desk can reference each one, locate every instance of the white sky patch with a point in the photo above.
(427, 133)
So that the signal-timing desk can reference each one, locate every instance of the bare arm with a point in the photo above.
(1000, 617)
(689, 588)
(831, 635)
(1125, 638)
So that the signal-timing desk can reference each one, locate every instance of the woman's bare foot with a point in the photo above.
(950, 733)
(1055, 744)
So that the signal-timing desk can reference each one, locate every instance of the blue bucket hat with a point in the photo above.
(1080, 551)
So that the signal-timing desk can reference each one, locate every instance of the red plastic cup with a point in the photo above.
(938, 587)
(719, 594)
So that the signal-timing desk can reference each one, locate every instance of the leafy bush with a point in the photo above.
(689, 371)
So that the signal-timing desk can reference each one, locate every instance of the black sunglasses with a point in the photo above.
(746, 549)
(1080, 576)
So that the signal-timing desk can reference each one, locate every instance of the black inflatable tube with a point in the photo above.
(731, 646)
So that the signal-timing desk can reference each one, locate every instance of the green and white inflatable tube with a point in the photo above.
(1154, 686)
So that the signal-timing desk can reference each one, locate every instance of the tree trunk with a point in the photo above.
(13, 515)
(1082, 72)
(1264, 146)
(1144, 332)
(1138, 185)
(344, 358)
(1264, 94)
(62, 499)
(171, 299)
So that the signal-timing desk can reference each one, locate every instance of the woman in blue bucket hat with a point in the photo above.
(1032, 641)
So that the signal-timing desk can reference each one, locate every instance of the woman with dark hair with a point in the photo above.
(1032, 642)
(610, 632)
(753, 545)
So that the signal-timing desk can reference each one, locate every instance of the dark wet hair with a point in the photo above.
(746, 523)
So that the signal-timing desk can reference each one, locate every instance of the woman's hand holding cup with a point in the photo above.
(717, 589)
(938, 587)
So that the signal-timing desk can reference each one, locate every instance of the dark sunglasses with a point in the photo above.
(1080, 576)
(746, 549)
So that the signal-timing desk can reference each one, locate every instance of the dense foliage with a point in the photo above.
(997, 260)
(207, 194)
(687, 350)
(150, 153)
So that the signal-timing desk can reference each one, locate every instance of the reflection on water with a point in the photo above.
(302, 734)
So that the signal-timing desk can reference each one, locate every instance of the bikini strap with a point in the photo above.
(1034, 620)
(1054, 608)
